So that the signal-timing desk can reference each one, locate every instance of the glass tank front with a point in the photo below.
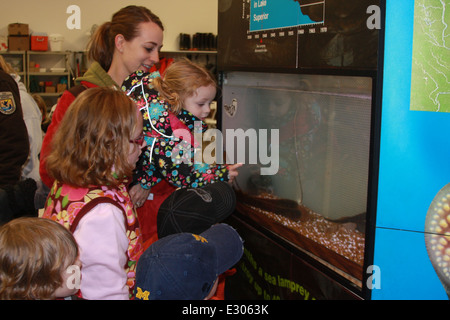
(306, 159)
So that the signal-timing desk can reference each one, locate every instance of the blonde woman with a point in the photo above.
(130, 41)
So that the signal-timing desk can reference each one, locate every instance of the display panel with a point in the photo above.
(298, 34)
(411, 247)
(315, 130)
(270, 271)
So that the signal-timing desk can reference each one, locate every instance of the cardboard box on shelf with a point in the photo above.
(32, 66)
(61, 87)
(50, 89)
(18, 43)
(18, 29)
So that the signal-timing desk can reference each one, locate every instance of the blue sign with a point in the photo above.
(414, 150)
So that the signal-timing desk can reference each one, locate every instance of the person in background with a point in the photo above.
(14, 143)
(53, 108)
(16, 195)
(39, 260)
(45, 122)
(187, 266)
(185, 196)
(94, 152)
(129, 42)
(32, 117)
(42, 189)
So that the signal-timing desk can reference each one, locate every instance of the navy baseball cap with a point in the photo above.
(184, 266)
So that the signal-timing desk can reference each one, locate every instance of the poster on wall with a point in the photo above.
(430, 85)
(430, 91)
(413, 207)
(298, 34)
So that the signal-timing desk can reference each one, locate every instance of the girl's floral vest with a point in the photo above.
(67, 206)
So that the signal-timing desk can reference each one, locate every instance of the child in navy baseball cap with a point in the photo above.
(186, 266)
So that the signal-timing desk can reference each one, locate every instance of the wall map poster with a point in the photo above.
(430, 86)
(297, 34)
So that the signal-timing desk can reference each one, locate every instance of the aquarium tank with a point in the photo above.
(304, 141)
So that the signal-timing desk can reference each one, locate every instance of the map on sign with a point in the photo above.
(296, 34)
(430, 72)
(271, 14)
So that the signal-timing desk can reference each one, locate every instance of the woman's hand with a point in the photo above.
(138, 195)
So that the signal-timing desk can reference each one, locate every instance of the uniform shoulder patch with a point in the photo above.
(7, 103)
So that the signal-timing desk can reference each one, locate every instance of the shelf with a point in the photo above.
(48, 73)
(189, 52)
(17, 60)
(50, 52)
(12, 52)
(44, 94)
(59, 60)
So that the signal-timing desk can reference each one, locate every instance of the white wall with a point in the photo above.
(178, 16)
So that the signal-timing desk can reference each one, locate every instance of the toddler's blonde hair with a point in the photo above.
(181, 79)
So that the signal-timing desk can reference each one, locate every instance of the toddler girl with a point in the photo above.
(170, 105)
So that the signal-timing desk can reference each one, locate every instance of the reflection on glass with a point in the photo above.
(317, 199)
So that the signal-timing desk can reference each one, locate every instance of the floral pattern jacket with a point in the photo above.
(68, 205)
(171, 144)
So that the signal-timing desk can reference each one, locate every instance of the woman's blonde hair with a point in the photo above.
(34, 253)
(92, 144)
(181, 79)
